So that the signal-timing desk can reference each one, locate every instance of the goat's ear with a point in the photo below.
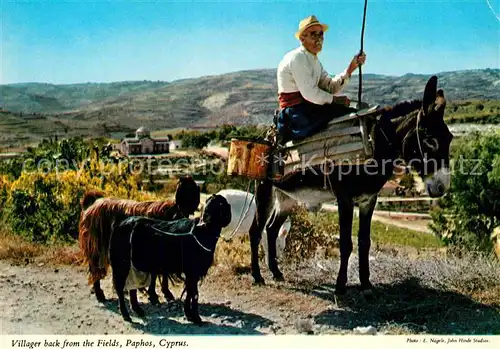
(430, 93)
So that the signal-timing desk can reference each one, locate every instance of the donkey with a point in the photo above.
(412, 133)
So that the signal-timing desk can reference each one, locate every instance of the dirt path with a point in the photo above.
(41, 299)
(56, 300)
(399, 219)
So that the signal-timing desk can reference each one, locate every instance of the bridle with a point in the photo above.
(409, 134)
(424, 157)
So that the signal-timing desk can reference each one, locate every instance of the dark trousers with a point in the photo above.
(305, 119)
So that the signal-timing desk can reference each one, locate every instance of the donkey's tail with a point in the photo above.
(94, 236)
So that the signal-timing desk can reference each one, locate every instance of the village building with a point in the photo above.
(143, 143)
(175, 144)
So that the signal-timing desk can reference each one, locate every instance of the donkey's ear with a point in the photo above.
(440, 101)
(429, 93)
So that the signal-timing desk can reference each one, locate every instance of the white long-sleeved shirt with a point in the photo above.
(302, 71)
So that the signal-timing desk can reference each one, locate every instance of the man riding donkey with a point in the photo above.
(307, 93)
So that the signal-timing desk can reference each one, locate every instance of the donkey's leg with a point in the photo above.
(263, 203)
(153, 297)
(365, 217)
(255, 237)
(346, 208)
(99, 293)
(272, 229)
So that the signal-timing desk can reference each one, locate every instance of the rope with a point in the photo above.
(184, 234)
(179, 209)
(360, 88)
(242, 215)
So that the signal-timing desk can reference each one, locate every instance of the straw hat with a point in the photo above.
(309, 22)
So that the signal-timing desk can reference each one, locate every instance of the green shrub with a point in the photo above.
(467, 216)
(309, 234)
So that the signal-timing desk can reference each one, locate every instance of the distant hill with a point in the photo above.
(245, 97)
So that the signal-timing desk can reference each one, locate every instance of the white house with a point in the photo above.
(175, 144)
(143, 143)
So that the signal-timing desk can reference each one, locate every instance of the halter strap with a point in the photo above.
(418, 135)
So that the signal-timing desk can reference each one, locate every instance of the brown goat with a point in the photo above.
(100, 213)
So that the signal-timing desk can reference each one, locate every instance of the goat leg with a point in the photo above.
(119, 284)
(135, 304)
(194, 308)
(191, 302)
(153, 297)
(164, 288)
(99, 294)
(120, 264)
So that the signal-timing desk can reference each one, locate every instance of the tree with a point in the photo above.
(467, 216)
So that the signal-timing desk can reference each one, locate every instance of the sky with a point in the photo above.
(68, 41)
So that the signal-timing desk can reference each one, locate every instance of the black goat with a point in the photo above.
(180, 249)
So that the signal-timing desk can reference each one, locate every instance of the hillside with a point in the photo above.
(245, 97)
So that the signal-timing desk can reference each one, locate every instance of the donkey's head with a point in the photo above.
(426, 148)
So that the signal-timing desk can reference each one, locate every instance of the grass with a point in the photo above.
(18, 250)
(395, 236)
(473, 111)
(382, 234)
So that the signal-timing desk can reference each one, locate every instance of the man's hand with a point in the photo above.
(357, 60)
(344, 100)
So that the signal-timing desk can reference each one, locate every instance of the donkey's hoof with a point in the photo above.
(366, 289)
(278, 277)
(127, 318)
(195, 319)
(259, 280)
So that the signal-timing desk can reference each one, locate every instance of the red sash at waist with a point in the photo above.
(290, 99)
